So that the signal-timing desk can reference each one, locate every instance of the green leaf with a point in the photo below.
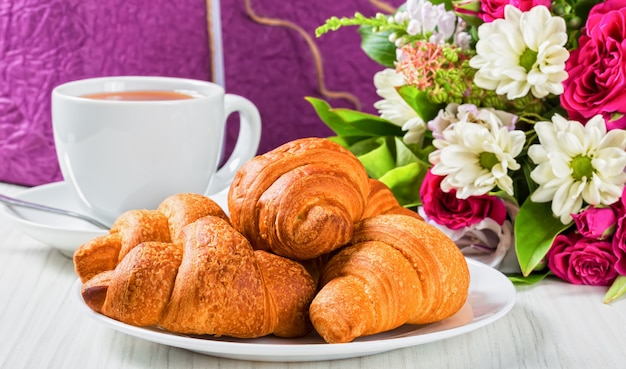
(423, 150)
(377, 46)
(368, 123)
(376, 155)
(405, 182)
(392, 162)
(418, 100)
(535, 230)
(617, 289)
(523, 184)
(348, 141)
(404, 155)
(346, 122)
(533, 278)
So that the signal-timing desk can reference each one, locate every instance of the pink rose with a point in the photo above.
(619, 238)
(599, 10)
(597, 69)
(619, 246)
(580, 260)
(494, 9)
(598, 223)
(445, 209)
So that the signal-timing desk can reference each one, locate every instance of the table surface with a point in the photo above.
(552, 325)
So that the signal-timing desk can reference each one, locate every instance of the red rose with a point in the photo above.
(597, 69)
(580, 260)
(445, 209)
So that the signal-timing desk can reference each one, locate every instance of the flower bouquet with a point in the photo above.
(502, 122)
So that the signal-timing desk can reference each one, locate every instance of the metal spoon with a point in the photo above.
(17, 202)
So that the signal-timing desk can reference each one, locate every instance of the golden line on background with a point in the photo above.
(387, 8)
(209, 23)
(314, 51)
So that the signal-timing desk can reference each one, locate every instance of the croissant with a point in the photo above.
(300, 200)
(382, 201)
(136, 226)
(215, 285)
(396, 270)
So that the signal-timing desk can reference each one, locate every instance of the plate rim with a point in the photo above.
(308, 351)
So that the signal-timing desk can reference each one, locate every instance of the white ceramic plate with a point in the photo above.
(58, 231)
(491, 296)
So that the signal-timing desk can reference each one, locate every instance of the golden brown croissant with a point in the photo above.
(396, 270)
(137, 226)
(215, 285)
(382, 201)
(300, 200)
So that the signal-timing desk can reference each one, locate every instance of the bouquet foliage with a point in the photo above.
(502, 122)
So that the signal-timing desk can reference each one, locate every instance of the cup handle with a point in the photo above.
(247, 141)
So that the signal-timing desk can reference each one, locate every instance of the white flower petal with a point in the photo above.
(458, 154)
(502, 42)
(560, 143)
(392, 107)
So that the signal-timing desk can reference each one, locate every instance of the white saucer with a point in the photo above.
(491, 296)
(58, 231)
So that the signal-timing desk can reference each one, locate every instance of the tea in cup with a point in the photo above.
(129, 142)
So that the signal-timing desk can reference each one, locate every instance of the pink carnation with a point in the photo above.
(446, 209)
(581, 260)
(494, 9)
(597, 68)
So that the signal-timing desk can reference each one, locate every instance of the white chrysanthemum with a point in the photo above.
(577, 163)
(394, 108)
(522, 52)
(474, 159)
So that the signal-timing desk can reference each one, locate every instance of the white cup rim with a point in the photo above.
(76, 88)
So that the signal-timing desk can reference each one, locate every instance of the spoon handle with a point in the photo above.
(17, 202)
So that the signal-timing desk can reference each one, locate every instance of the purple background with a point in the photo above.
(47, 42)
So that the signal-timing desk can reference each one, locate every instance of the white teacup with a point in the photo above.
(119, 155)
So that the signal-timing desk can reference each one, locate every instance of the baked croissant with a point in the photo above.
(396, 270)
(137, 226)
(216, 285)
(382, 201)
(300, 200)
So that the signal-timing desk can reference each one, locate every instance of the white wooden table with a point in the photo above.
(552, 325)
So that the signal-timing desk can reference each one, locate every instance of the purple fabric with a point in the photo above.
(47, 42)
(274, 67)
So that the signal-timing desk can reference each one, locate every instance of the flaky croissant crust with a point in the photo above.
(382, 201)
(396, 270)
(136, 226)
(188, 268)
(300, 200)
(208, 280)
